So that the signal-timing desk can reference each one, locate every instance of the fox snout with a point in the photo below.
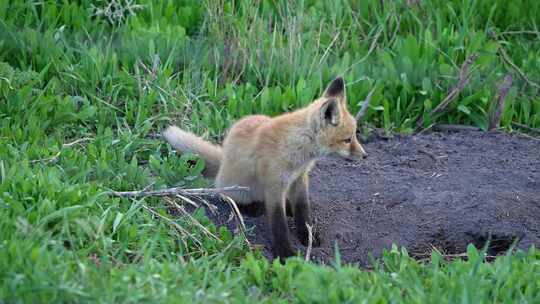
(357, 152)
(354, 152)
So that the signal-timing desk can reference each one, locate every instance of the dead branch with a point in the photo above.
(524, 127)
(463, 80)
(175, 225)
(372, 47)
(238, 216)
(57, 155)
(190, 217)
(504, 88)
(522, 74)
(362, 112)
(424, 257)
(450, 257)
(178, 191)
(522, 134)
(450, 127)
(183, 193)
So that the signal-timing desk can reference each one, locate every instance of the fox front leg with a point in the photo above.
(299, 198)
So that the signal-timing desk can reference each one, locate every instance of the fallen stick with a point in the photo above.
(190, 217)
(178, 191)
(426, 256)
(504, 88)
(370, 50)
(450, 127)
(179, 228)
(238, 216)
(362, 112)
(522, 126)
(463, 79)
(55, 157)
(523, 134)
(464, 255)
(522, 74)
(506, 59)
(182, 193)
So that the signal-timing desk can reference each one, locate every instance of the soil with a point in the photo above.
(436, 190)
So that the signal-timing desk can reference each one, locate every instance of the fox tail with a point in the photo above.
(184, 141)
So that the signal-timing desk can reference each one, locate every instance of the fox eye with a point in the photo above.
(347, 141)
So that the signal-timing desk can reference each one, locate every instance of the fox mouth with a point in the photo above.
(355, 159)
(347, 157)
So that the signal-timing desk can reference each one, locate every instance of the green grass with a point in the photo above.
(83, 95)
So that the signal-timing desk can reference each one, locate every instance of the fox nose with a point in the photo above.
(362, 152)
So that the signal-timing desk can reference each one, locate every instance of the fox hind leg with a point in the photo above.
(277, 220)
(253, 209)
(289, 208)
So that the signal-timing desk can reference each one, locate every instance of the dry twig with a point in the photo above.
(188, 215)
(178, 191)
(524, 127)
(504, 88)
(372, 47)
(362, 112)
(238, 216)
(179, 228)
(55, 156)
(509, 61)
(183, 193)
(454, 256)
(450, 127)
(424, 257)
(463, 80)
(310, 241)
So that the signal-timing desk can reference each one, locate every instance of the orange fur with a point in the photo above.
(189, 142)
(273, 156)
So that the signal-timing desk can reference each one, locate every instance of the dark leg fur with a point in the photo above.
(255, 209)
(277, 221)
(280, 232)
(289, 209)
(298, 194)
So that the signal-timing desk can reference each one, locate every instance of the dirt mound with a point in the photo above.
(442, 190)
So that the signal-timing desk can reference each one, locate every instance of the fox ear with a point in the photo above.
(336, 88)
(330, 113)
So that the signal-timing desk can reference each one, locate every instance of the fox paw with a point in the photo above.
(283, 252)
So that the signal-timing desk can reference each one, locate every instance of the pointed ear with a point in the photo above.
(330, 113)
(336, 88)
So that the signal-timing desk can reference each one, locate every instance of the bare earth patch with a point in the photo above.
(438, 190)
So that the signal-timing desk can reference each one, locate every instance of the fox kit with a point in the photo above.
(273, 156)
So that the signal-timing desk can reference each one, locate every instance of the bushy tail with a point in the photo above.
(188, 142)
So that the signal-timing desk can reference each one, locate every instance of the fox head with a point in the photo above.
(336, 127)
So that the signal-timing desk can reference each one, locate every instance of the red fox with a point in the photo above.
(273, 156)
